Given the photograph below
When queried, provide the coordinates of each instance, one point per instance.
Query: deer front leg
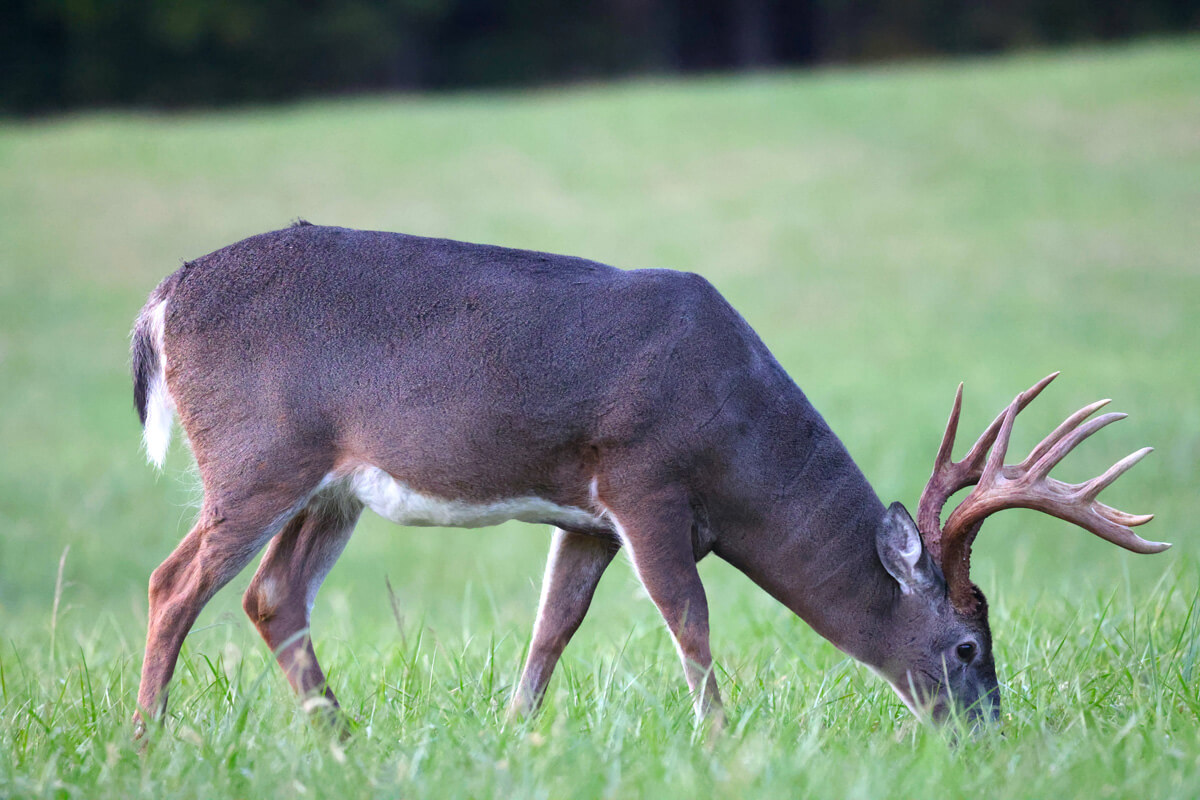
(573, 570)
(657, 529)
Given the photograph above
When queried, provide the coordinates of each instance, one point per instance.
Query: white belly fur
(393, 500)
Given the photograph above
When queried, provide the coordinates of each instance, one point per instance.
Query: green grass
(888, 232)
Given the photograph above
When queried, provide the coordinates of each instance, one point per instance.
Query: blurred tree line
(57, 54)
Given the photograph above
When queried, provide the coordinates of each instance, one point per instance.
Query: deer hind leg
(280, 597)
(227, 535)
(657, 530)
(573, 570)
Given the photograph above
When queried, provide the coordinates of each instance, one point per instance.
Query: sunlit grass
(888, 232)
(1097, 702)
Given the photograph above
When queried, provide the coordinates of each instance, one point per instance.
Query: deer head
(948, 660)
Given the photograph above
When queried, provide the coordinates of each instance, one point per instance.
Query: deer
(317, 371)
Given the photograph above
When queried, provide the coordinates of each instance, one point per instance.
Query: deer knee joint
(163, 581)
(262, 600)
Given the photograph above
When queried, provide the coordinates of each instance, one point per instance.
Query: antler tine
(1099, 484)
(1123, 518)
(945, 453)
(945, 481)
(995, 459)
(942, 483)
(979, 450)
(1113, 526)
(1068, 443)
(1068, 425)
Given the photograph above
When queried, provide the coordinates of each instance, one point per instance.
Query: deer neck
(811, 541)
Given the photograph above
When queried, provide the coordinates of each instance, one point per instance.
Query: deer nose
(986, 710)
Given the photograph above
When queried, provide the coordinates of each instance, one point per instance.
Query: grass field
(888, 232)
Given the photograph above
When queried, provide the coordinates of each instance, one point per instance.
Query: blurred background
(59, 54)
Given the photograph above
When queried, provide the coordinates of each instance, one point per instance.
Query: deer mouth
(930, 700)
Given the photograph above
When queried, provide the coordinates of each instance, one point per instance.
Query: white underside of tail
(160, 408)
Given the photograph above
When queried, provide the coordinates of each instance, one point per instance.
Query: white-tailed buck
(319, 370)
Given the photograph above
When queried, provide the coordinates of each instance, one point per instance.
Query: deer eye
(965, 652)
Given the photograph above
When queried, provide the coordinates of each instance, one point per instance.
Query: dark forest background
(58, 54)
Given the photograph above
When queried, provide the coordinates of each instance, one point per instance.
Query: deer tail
(151, 397)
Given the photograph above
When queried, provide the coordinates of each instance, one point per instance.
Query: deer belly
(395, 501)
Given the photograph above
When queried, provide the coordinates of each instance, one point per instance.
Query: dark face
(937, 657)
(946, 663)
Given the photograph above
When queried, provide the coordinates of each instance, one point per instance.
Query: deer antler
(1025, 485)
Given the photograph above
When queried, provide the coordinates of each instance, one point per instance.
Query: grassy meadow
(889, 232)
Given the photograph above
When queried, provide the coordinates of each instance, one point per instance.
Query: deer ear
(903, 554)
